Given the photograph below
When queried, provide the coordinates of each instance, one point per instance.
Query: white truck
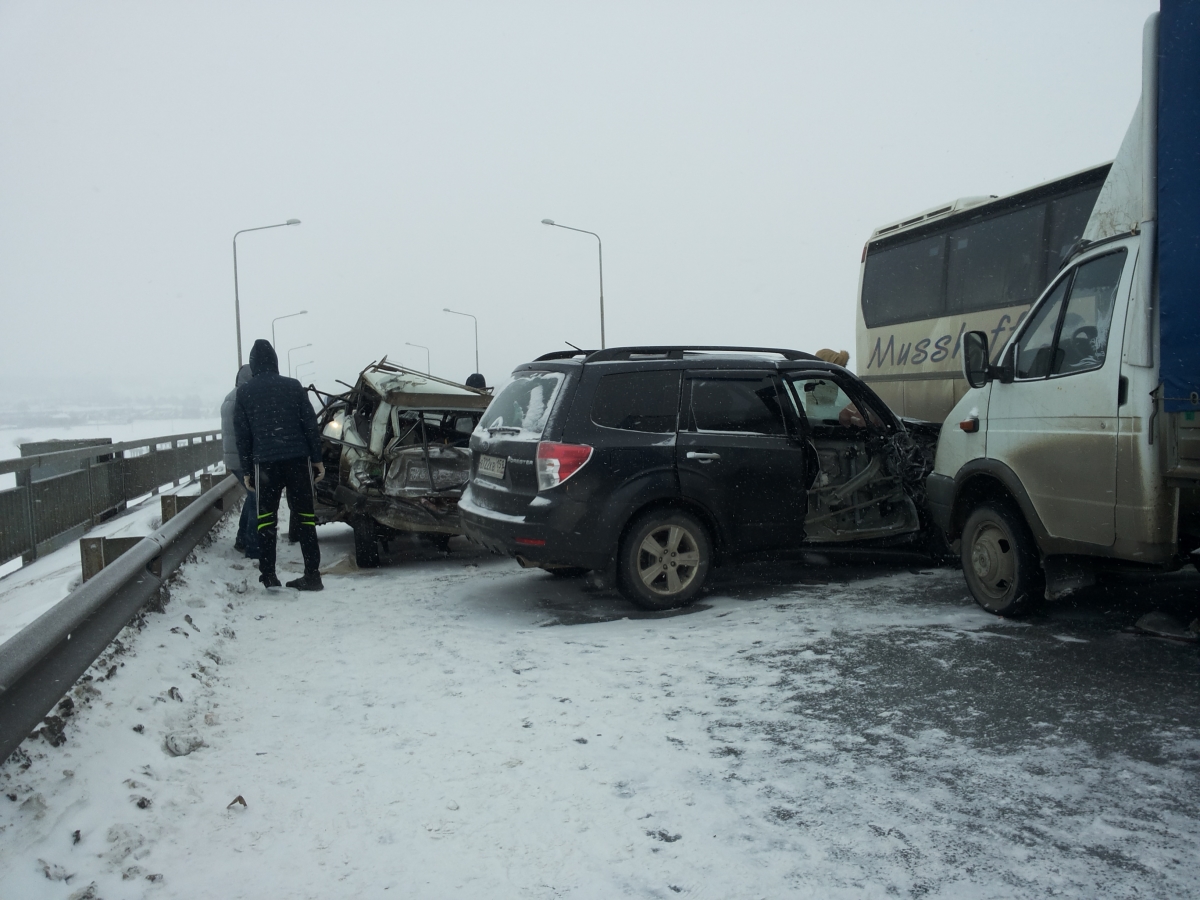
(1077, 447)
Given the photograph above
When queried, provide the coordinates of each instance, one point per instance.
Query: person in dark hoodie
(279, 446)
(247, 533)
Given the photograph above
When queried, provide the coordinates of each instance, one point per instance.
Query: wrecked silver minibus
(396, 455)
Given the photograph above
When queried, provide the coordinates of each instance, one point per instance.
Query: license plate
(492, 466)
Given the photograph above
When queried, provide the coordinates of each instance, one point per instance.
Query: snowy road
(452, 726)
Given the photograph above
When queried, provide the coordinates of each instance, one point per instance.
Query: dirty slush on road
(445, 727)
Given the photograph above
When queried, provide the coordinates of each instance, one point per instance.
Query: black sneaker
(269, 580)
(239, 546)
(310, 582)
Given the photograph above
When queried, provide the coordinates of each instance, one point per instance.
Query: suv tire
(366, 544)
(1000, 560)
(664, 559)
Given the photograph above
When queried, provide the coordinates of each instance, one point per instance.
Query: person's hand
(849, 417)
(319, 469)
(249, 482)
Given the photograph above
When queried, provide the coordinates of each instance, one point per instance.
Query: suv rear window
(638, 401)
(524, 405)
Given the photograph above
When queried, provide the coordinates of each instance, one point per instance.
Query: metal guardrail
(40, 663)
(40, 515)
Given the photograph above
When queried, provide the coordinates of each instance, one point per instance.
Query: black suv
(659, 461)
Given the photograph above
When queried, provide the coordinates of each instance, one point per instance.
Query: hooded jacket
(228, 437)
(272, 418)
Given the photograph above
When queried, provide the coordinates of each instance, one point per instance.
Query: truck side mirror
(975, 359)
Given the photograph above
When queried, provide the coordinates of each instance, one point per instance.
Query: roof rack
(677, 352)
(562, 354)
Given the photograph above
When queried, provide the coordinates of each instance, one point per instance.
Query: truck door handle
(703, 457)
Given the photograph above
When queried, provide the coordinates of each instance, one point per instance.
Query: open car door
(858, 492)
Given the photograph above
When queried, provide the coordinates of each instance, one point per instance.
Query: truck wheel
(366, 545)
(1000, 560)
(664, 560)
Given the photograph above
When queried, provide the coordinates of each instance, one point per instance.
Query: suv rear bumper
(550, 536)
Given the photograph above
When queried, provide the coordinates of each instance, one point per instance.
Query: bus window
(904, 283)
(1068, 217)
(997, 262)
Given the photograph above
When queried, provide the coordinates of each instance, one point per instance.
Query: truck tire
(664, 560)
(1000, 560)
(366, 543)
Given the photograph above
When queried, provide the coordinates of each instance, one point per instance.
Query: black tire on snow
(366, 544)
(1000, 560)
(651, 553)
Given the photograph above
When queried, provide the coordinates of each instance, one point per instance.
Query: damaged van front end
(397, 446)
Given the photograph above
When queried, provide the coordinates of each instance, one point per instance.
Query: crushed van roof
(406, 389)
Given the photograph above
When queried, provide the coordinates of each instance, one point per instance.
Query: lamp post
(301, 366)
(237, 305)
(476, 321)
(423, 347)
(301, 347)
(600, 248)
(277, 318)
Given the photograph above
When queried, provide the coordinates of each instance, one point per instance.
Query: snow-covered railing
(85, 485)
(40, 663)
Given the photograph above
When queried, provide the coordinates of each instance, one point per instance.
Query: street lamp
(600, 247)
(426, 349)
(476, 321)
(301, 366)
(301, 347)
(237, 305)
(277, 318)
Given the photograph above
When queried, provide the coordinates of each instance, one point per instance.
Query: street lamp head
(292, 222)
(548, 221)
(447, 309)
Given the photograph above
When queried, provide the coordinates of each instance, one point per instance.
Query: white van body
(1067, 460)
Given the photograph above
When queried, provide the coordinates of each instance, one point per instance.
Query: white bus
(974, 264)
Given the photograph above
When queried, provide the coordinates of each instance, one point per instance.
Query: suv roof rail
(676, 351)
(563, 354)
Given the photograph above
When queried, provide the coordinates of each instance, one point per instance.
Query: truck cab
(1059, 457)
(1077, 446)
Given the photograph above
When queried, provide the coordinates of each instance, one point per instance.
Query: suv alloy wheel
(664, 559)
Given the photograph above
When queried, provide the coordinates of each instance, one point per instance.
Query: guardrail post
(91, 498)
(25, 480)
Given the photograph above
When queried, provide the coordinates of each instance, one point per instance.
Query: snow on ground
(453, 726)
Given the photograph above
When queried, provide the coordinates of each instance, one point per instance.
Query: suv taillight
(558, 462)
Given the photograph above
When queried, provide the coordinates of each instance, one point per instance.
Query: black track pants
(269, 480)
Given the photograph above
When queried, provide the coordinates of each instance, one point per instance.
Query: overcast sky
(733, 156)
